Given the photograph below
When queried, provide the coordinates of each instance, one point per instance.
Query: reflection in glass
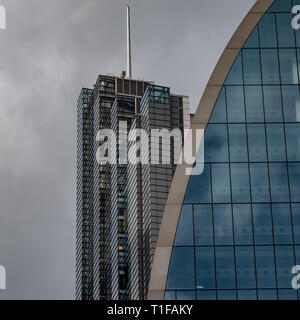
(225, 268)
(205, 268)
(251, 65)
(276, 143)
(265, 267)
(282, 223)
(238, 143)
(223, 224)
(184, 234)
(259, 182)
(270, 69)
(263, 230)
(254, 104)
(245, 269)
(273, 106)
(220, 183)
(203, 224)
(235, 104)
(242, 224)
(288, 66)
(257, 142)
(240, 182)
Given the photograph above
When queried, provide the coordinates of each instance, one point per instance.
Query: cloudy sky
(50, 50)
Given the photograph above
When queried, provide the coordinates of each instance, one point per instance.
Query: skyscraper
(233, 232)
(120, 205)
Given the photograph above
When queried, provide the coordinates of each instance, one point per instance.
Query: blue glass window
(284, 263)
(267, 295)
(251, 64)
(182, 269)
(227, 295)
(220, 183)
(235, 75)
(281, 6)
(170, 295)
(198, 190)
(294, 173)
(216, 143)
(293, 141)
(242, 224)
(254, 104)
(247, 295)
(219, 113)
(225, 268)
(223, 224)
(257, 143)
(288, 66)
(273, 105)
(203, 224)
(259, 182)
(206, 295)
(296, 222)
(279, 182)
(205, 268)
(245, 269)
(263, 231)
(238, 143)
(270, 69)
(276, 143)
(282, 223)
(186, 295)
(240, 182)
(267, 31)
(265, 267)
(285, 33)
(291, 103)
(288, 294)
(184, 234)
(235, 104)
(252, 41)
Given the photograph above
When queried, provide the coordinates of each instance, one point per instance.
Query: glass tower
(238, 235)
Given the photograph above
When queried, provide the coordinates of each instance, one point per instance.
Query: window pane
(288, 66)
(270, 70)
(206, 295)
(294, 173)
(254, 104)
(238, 143)
(219, 113)
(259, 182)
(216, 143)
(284, 263)
(245, 269)
(182, 269)
(203, 225)
(220, 183)
(279, 182)
(251, 64)
(235, 104)
(240, 182)
(296, 222)
(186, 295)
(282, 224)
(205, 268)
(267, 31)
(293, 141)
(267, 295)
(281, 6)
(285, 33)
(252, 41)
(276, 143)
(242, 224)
(289, 294)
(235, 75)
(257, 142)
(273, 106)
(265, 267)
(184, 234)
(198, 190)
(247, 295)
(263, 231)
(225, 268)
(223, 224)
(291, 103)
(227, 295)
(170, 295)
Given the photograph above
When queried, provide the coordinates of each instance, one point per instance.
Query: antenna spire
(129, 66)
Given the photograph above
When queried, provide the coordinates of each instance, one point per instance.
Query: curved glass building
(233, 232)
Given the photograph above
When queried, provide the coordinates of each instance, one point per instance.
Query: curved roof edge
(160, 268)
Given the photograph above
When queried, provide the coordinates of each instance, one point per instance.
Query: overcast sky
(50, 50)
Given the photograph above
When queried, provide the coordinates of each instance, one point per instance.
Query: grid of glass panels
(238, 236)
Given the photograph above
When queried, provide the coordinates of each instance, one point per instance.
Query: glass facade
(238, 235)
